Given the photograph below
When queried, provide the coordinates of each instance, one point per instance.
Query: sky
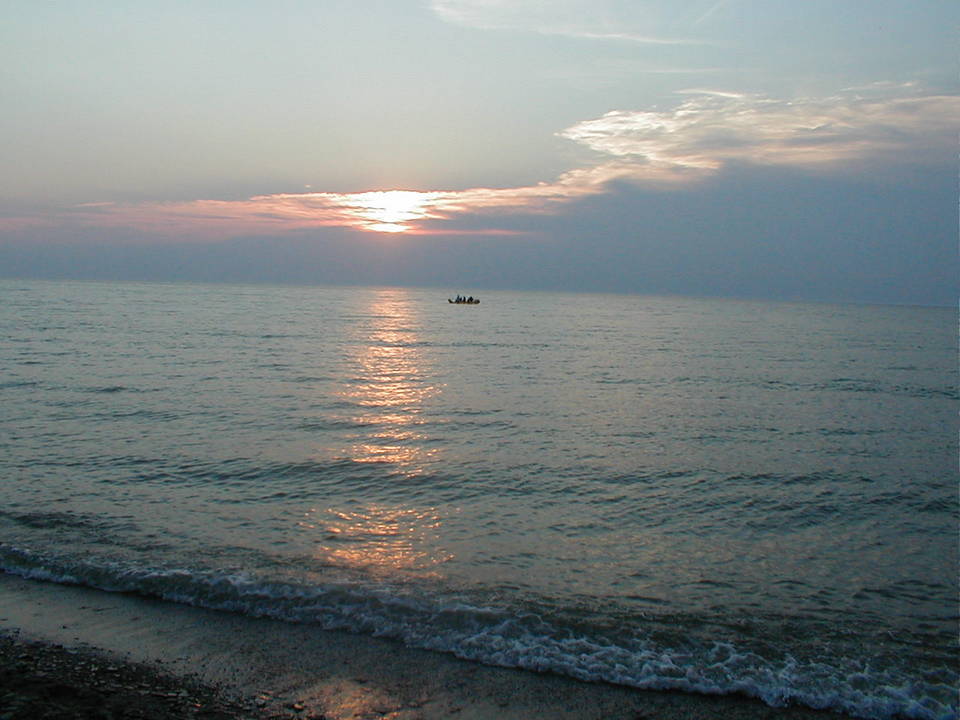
(794, 150)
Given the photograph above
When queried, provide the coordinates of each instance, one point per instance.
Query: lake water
(709, 495)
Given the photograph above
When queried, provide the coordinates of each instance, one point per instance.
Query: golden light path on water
(390, 391)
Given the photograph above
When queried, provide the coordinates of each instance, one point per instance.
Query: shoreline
(40, 680)
(223, 666)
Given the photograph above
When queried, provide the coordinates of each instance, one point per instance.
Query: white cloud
(714, 128)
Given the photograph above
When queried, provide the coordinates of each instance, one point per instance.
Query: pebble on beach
(51, 682)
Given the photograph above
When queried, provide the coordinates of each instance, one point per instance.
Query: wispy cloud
(574, 31)
(690, 142)
(588, 19)
(710, 11)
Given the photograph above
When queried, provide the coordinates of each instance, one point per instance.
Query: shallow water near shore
(710, 496)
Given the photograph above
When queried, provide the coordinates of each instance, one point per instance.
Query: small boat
(464, 301)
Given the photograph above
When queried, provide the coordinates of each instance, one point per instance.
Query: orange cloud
(681, 145)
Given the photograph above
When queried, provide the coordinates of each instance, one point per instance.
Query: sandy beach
(41, 680)
(107, 655)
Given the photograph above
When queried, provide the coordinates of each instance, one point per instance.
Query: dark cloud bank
(748, 232)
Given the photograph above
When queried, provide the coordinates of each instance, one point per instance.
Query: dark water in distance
(716, 496)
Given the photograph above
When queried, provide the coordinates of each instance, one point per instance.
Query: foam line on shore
(494, 636)
(341, 674)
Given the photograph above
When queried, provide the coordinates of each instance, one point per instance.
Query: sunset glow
(696, 140)
(389, 211)
(604, 339)
(524, 142)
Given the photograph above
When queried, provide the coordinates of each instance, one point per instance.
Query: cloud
(710, 11)
(589, 19)
(715, 128)
(656, 148)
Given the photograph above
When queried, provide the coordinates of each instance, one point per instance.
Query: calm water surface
(717, 496)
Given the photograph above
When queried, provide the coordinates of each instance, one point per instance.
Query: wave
(451, 623)
(10, 384)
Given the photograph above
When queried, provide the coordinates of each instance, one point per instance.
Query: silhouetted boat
(467, 301)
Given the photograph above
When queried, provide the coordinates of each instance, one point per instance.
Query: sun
(390, 211)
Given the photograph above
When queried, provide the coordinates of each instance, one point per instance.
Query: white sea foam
(498, 637)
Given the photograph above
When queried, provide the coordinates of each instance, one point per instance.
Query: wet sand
(106, 655)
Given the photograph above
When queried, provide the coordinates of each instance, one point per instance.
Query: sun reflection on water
(379, 538)
(389, 389)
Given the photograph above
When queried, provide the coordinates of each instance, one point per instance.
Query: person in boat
(470, 299)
